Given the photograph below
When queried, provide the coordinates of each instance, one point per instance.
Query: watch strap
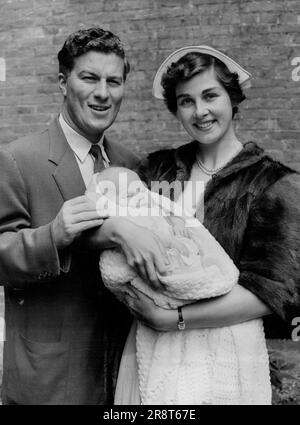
(181, 322)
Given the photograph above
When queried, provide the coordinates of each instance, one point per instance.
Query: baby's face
(130, 188)
(122, 188)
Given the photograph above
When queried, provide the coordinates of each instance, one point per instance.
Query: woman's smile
(204, 125)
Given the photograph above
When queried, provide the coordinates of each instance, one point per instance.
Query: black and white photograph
(150, 205)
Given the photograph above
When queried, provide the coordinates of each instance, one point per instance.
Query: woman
(249, 199)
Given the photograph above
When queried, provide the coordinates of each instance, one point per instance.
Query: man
(64, 331)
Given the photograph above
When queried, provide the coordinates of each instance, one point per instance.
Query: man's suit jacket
(64, 331)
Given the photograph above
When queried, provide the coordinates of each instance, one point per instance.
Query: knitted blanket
(206, 272)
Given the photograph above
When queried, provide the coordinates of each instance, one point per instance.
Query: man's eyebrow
(114, 76)
(95, 74)
(86, 71)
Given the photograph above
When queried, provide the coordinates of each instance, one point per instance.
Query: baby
(118, 192)
(201, 366)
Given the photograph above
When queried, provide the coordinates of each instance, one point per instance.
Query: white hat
(244, 76)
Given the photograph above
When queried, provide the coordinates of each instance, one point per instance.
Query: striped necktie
(98, 161)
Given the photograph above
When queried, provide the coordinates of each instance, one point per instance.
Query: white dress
(219, 366)
(226, 365)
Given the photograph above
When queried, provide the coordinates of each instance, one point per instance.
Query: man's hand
(76, 215)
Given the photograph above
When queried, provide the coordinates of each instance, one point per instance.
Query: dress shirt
(81, 148)
(192, 198)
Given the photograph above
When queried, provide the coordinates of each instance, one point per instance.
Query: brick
(140, 4)
(48, 109)
(19, 110)
(266, 6)
(284, 124)
(290, 144)
(36, 118)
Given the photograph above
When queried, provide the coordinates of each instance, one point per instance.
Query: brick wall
(262, 35)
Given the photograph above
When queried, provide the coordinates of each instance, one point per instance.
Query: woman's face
(204, 108)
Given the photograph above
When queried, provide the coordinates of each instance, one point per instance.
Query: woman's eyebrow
(204, 92)
(210, 89)
(183, 95)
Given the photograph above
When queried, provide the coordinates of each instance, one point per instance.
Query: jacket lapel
(66, 174)
(114, 153)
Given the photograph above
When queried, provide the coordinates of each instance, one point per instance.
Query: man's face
(93, 92)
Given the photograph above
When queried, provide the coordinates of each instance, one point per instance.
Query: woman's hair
(83, 41)
(195, 63)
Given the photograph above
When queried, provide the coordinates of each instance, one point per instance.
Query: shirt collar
(79, 144)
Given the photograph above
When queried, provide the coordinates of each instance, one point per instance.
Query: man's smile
(100, 108)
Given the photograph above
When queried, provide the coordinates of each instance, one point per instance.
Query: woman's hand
(146, 251)
(143, 249)
(145, 310)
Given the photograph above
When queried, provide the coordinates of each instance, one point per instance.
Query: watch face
(181, 326)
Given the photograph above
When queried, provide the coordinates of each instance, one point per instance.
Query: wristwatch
(181, 322)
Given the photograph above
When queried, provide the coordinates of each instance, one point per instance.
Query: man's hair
(83, 41)
(195, 63)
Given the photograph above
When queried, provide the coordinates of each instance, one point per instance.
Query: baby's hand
(178, 227)
(180, 231)
(171, 242)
